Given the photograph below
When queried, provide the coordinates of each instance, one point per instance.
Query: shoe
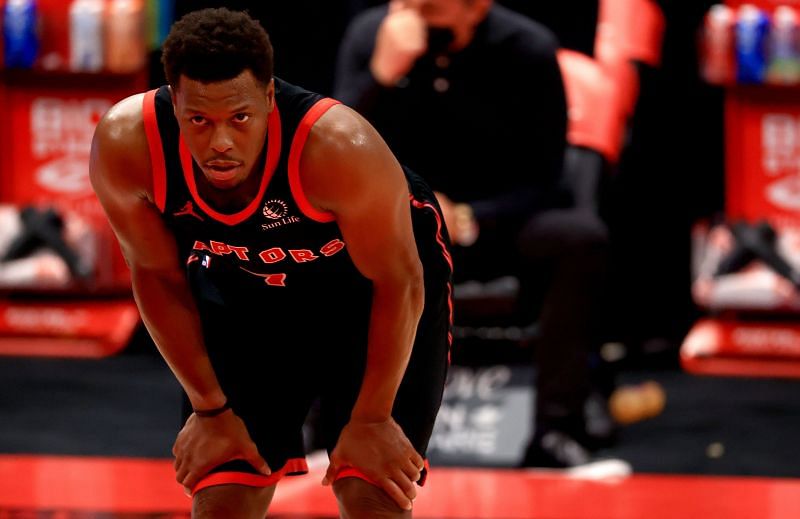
(555, 449)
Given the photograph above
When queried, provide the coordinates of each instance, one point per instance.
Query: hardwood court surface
(40, 487)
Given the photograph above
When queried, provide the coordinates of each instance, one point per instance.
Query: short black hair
(216, 45)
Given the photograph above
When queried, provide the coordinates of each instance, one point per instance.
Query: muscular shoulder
(341, 130)
(343, 153)
(119, 148)
(123, 125)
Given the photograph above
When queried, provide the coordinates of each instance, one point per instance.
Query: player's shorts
(273, 371)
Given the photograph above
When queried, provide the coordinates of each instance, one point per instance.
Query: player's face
(224, 125)
(450, 14)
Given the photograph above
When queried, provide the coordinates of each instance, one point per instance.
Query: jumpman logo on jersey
(188, 209)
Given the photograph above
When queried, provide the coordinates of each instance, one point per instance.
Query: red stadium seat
(611, 54)
(635, 27)
(596, 117)
(629, 33)
(648, 33)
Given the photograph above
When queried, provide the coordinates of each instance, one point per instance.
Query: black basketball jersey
(279, 247)
(279, 264)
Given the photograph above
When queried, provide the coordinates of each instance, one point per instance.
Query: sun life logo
(275, 209)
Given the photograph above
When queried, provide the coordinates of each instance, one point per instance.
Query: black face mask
(439, 39)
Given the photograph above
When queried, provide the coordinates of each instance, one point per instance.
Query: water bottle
(86, 35)
(752, 30)
(125, 36)
(784, 53)
(718, 63)
(20, 39)
(163, 18)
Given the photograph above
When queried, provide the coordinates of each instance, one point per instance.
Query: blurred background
(690, 112)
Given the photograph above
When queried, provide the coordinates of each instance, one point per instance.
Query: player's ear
(172, 97)
(270, 94)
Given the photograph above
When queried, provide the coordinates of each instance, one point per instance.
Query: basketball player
(279, 254)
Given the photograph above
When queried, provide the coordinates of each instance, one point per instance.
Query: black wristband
(210, 413)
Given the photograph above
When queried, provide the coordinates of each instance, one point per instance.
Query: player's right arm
(121, 176)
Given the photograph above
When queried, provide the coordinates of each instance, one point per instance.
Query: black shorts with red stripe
(275, 360)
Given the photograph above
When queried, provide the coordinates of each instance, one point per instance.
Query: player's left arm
(347, 169)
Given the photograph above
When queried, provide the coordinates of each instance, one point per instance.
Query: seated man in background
(470, 95)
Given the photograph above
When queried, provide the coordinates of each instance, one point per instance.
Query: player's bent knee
(361, 500)
(232, 501)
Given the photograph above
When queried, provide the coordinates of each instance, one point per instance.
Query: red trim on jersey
(352, 472)
(292, 466)
(273, 154)
(156, 150)
(440, 240)
(296, 151)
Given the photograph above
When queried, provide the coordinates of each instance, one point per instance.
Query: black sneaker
(555, 449)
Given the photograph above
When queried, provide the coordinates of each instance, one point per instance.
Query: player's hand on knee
(206, 442)
(383, 453)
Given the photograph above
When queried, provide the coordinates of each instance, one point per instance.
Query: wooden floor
(35, 487)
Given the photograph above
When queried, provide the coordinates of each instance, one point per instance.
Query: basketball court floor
(89, 439)
(41, 487)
